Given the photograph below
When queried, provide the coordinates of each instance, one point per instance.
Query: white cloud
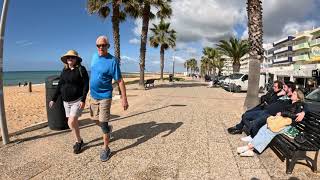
(208, 21)
(134, 41)
(127, 59)
(24, 43)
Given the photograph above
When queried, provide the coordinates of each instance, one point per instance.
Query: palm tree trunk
(115, 27)
(116, 33)
(3, 121)
(161, 62)
(236, 67)
(254, 9)
(144, 36)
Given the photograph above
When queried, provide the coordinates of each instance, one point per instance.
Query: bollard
(30, 86)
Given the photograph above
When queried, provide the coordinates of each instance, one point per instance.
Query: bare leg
(74, 126)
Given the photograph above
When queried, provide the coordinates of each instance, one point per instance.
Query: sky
(39, 32)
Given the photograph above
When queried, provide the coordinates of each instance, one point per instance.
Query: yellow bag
(277, 123)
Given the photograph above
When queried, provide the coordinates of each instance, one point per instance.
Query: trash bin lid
(52, 81)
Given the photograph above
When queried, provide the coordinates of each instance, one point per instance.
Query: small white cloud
(127, 59)
(24, 43)
(134, 41)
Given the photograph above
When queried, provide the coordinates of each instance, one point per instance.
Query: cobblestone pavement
(172, 131)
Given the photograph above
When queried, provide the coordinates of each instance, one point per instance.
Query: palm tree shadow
(142, 132)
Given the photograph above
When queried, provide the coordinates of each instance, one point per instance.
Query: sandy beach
(24, 109)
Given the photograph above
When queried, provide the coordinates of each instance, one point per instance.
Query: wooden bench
(292, 151)
(149, 82)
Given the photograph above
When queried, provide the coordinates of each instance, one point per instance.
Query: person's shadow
(142, 132)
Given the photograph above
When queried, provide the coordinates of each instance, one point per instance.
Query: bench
(292, 151)
(149, 82)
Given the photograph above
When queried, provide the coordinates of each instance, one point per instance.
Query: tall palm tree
(254, 9)
(101, 7)
(235, 49)
(164, 37)
(186, 65)
(205, 65)
(142, 9)
(213, 55)
(219, 65)
(193, 65)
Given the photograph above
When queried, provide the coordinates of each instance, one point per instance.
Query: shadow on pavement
(142, 132)
(179, 85)
(83, 123)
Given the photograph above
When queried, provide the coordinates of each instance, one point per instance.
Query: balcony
(315, 42)
(289, 38)
(301, 46)
(282, 60)
(284, 49)
(304, 57)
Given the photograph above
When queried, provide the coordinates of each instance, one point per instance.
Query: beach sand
(24, 109)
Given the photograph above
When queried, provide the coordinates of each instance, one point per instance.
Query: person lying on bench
(266, 100)
(276, 125)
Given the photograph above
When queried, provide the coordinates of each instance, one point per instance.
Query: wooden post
(30, 86)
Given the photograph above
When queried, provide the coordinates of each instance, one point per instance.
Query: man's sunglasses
(102, 45)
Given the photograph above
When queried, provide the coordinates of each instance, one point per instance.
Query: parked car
(239, 82)
(313, 100)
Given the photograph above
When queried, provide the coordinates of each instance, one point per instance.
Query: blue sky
(38, 32)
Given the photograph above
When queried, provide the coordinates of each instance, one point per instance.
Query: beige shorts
(72, 108)
(100, 109)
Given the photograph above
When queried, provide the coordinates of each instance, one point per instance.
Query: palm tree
(101, 7)
(219, 65)
(205, 65)
(235, 49)
(254, 9)
(164, 37)
(186, 65)
(193, 65)
(142, 8)
(213, 55)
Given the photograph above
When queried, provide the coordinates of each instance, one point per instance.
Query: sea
(13, 78)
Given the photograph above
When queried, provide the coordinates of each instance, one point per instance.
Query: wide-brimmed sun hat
(72, 53)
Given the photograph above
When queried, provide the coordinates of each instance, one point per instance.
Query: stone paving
(172, 131)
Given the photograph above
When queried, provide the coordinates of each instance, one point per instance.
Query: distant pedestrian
(104, 68)
(73, 87)
(19, 84)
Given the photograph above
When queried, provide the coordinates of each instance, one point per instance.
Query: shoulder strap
(80, 70)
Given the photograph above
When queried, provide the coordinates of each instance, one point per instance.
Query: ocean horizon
(13, 78)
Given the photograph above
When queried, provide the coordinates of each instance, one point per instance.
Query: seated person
(266, 100)
(261, 118)
(265, 135)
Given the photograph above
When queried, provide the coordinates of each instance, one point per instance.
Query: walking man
(104, 68)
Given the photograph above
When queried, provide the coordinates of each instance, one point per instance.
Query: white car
(239, 82)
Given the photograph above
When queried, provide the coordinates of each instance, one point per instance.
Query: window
(314, 95)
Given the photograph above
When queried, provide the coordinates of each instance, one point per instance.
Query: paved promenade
(169, 132)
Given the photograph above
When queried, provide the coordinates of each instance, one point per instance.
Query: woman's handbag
(278, 123)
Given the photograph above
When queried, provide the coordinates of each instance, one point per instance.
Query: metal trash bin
(170, 77)
(56, 115)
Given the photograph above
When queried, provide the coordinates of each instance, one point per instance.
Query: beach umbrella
(3, 122)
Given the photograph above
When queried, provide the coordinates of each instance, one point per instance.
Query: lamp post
(4, 129)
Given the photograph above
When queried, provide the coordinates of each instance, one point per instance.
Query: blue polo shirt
(103, 70)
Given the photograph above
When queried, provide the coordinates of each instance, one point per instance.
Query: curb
(28, 129)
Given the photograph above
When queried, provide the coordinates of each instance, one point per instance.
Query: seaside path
(172, 131)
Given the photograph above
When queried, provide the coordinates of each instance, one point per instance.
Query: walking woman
(73, 87)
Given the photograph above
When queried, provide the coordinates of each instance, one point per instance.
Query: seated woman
(265, 135)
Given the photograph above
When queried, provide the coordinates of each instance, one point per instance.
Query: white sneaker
(246, 139)
(242, 149)
(248, 153)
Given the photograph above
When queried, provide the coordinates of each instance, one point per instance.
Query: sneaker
(234, 130)
(248, 153)
(242, 149)
(246, 139)
(77, 147)
(105, 155)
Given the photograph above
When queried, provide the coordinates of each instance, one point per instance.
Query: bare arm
(124, 100)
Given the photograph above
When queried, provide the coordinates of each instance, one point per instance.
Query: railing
(304, 57)
(301, 46)
(314, 42)
(288, 48)
(283, 59)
